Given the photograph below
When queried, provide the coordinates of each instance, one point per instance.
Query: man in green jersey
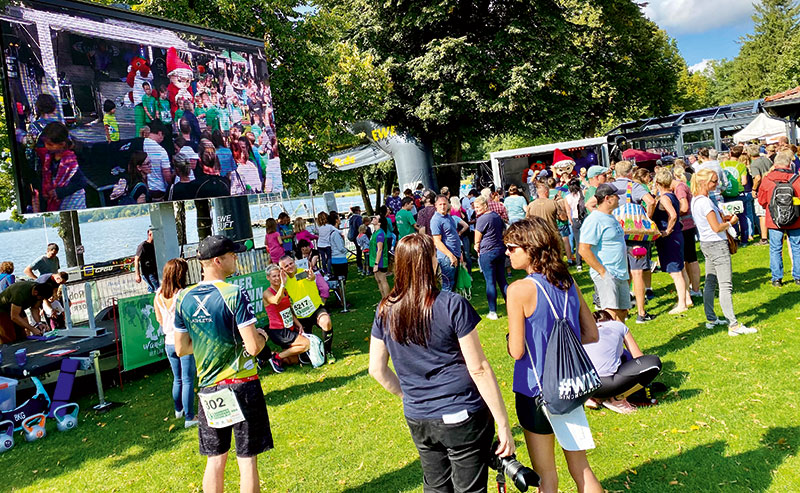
(406, 224)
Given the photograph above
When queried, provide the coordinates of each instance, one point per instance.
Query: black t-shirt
(20, 294)
(435, 380)
(183, 191)
(147, 258)
(212, 186)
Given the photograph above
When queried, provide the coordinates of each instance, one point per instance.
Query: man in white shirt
(161, 173)
(707, 158)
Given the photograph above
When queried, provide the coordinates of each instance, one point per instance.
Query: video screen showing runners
(106, 107)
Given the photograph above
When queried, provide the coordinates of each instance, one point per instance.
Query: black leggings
(639, 371)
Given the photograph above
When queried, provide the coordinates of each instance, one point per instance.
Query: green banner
(142, 338)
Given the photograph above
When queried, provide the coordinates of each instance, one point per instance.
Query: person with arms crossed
(214, 320)
(602, 246)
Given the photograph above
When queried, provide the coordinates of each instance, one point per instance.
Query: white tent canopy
(762, 127)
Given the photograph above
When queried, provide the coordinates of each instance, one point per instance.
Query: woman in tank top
(534, 245)
(183, 367)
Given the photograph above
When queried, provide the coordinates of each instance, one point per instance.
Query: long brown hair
(408, 309)
(541, 241)
(175, 277)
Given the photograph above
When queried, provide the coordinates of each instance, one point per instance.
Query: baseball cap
(604, 190)
(596, 171)
(217, 246)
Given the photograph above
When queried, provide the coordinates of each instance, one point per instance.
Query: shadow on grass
(409, 477)
(681, 340)
(280, 397)
(783, 301)
(707, 467)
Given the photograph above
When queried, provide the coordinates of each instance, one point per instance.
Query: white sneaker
(579, 268)
(715, 323)
(189, 423)
(178, 414)
(740, 330)
(492, 316)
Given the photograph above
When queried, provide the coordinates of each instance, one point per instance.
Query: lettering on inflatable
(384, 132)
(338, 162)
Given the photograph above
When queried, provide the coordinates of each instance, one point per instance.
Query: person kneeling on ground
(301, 286)
(621, 372)
(284, 328)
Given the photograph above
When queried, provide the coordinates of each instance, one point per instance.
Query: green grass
(729, 423)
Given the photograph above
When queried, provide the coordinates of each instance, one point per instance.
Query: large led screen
(107, 107)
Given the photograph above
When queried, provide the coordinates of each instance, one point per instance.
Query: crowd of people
(215, 141)
(452, 400)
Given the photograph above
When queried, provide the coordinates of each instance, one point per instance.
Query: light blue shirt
(447, 228)
(515, 206)
(607, 239)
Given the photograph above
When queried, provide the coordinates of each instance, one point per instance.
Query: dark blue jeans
(493, 266)
(152, 282)
(449, 272)
(183, 372)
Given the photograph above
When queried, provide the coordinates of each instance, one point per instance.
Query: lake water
(107, 240)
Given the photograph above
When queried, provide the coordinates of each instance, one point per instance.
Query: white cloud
(697, 16)
(700, 66)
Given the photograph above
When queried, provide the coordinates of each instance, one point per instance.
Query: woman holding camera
(451, 399)
(534, 245)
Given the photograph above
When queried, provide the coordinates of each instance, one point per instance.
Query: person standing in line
(515, 204)
(602, 246)
(781, 173)
(183, 368)
(596, 176)
(406, 224)
(451, 399)
(446, 232)
(640, 265)
(711, 228)
(46, 264)
(354, 222)
(394, 201)
(426, 213)
(491, 253)
(144, 263)
(534, 246)
(325, 229)
(379, 253)
(669, 245)
(575, 207)
(691, 268)
(215, 322)
(759, 167)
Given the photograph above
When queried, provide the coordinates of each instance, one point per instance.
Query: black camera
(522, 477)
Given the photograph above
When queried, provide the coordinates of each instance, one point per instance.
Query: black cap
(604, 190)
(217, 246)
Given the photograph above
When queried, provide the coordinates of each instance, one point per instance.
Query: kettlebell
(6, 435)
(33, 427)
(66, 420)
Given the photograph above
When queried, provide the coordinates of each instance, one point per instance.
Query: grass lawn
(730, 421)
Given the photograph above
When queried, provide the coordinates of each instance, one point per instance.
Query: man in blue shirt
(602, 246)
(446, 231)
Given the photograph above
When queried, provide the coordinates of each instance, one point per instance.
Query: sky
(704, 29)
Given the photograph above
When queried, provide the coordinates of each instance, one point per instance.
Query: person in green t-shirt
(149, 103)
(110, 121)
(406, 224)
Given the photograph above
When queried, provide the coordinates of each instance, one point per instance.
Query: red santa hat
(561, 160)
(177, 66)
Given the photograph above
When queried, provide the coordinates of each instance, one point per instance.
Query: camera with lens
(522, 477)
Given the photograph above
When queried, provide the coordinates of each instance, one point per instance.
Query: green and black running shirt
(212, 313)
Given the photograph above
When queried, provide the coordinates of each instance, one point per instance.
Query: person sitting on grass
(622, 366)
(285, 329)
(306, 303)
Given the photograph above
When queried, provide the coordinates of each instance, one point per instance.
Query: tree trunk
(388, 183)
(362, 187)
(70, 232)
(378, 191)
(204, 223)
(180, 222)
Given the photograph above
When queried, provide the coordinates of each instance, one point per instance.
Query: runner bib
(304, 307)
(288, 321)
(221, 408)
